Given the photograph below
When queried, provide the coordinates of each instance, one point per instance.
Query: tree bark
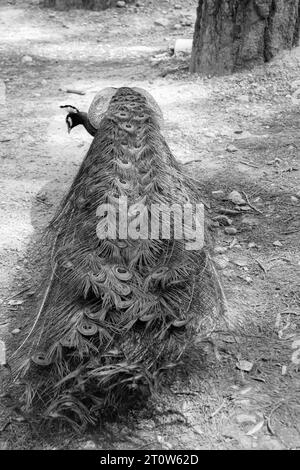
(86, 4)
(232, 34)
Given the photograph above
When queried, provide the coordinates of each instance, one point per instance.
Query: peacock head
(99, 107)
(73, 118)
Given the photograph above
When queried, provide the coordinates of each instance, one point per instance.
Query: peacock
(119, 313)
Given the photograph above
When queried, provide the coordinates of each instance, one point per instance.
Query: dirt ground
(243, 130)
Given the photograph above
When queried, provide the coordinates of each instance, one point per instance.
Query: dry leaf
(256, 428)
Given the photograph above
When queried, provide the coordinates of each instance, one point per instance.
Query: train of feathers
(117, 313)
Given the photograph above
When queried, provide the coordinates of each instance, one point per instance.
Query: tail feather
(118, 312)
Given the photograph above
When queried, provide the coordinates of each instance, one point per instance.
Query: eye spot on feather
(122, 273)
(87, 329)
(124, 164)
(41, 359)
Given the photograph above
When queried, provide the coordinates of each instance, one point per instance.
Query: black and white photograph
(149, 229)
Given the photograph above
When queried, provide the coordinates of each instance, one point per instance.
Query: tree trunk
(230, 34)
(87, 4)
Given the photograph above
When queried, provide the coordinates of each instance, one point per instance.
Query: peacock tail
(118, 313)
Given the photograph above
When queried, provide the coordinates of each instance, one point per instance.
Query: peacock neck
(86, 123)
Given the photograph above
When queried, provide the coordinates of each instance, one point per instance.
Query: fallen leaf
(256, 428)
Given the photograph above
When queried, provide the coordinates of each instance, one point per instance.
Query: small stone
(252, 245)
(248, 279)
(231, 148)
(218, 194)
(15, 302)
(198, 430)
(294, 199)
(221, 261)
(220, 249)
(177, 7)
(16, 331)
(161, 22)
(249, 220)
(242, 261)
(223, 220)
(246, 366)
(187, 22)
(230, 231)
(27, 59)
(236, 198)
(177, 26)
(277, 243)
(121, 4)
(229, 273)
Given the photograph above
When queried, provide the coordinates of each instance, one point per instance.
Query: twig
(191, 161)
(75, 92)
(195, 394)
(250, 205)
(268, 418)
(5, 425)
(5, 140)
(218, 409)
(225, 211)
(234, 241)
(147, 444)
(289, 312)
(21, 292)
(248, 164)
(261, 265)
(177, 69)
(290, 232)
